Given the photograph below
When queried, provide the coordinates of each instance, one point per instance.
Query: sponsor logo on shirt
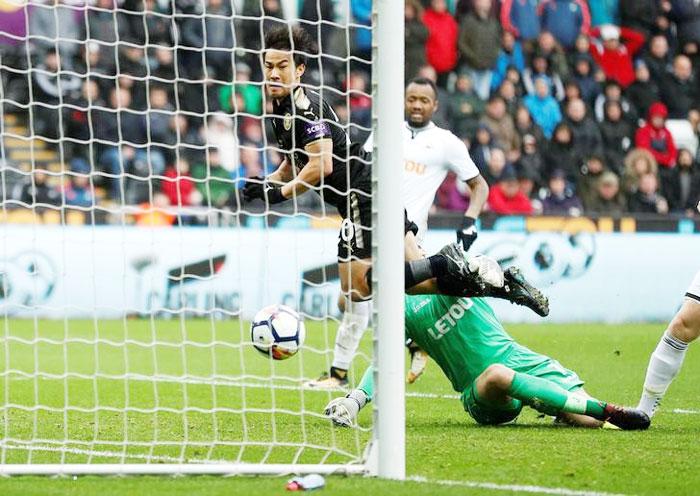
(446, 323)
(318, 129)
(421, 304)
(414, 167)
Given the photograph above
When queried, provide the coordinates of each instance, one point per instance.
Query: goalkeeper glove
(343, 411)
(257, 187)
(467, 233)
(419, 361)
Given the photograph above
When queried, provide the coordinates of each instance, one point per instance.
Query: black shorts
(355, 237)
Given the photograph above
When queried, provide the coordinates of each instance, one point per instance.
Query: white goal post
(390, 418)
(125, 346)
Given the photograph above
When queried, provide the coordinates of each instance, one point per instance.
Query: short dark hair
(424, 81)
(291, 39)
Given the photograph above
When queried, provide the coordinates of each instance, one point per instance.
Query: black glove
(467, 234)
(258, 188)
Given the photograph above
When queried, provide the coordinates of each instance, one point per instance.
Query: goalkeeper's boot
(336, 380)
(419, 361)
(628, 419)
(517, 290)
(461, 281)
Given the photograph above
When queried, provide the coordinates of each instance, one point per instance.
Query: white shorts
(694, 289)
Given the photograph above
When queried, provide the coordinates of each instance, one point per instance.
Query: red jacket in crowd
(441, 47)
(178, 189)
(617, 64)
(658, 140)
(502, 204)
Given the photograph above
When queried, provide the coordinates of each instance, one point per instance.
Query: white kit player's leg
(352, 326)
(667, 358)
(664, 365)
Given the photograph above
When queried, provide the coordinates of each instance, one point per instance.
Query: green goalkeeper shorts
(487, 413)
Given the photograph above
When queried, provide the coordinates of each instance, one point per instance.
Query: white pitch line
(516, 488)
(470, 484)
(286, 387)
(101, 454)
(433, 396)
(234, 383)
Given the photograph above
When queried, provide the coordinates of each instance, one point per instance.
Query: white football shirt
(429, 153)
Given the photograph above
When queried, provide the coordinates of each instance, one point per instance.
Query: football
(277, 331)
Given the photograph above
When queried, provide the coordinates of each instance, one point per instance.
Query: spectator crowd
(568, 107)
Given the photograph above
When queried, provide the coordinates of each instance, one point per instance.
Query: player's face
(421, 104)
(281, 74)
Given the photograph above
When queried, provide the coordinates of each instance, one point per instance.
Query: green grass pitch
(122, 414)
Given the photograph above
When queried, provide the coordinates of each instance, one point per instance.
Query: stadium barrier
(109, 272)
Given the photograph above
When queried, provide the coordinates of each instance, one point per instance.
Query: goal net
(130, 266)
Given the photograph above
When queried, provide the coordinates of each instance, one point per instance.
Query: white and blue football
(277, 331)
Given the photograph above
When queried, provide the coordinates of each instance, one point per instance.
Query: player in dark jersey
(319, 157)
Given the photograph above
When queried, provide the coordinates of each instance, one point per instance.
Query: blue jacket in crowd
(520, 17)
(565, 19)
(604, 12)
(545, 112)
(362, 12)
(506, 60)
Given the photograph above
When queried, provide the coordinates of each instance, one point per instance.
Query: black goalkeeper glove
(467, 233)
(259, 188)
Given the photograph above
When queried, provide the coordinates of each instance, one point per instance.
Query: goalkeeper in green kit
(495, 375)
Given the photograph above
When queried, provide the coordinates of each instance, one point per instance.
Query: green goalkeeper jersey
(463, 336)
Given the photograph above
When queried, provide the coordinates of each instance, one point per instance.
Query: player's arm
(458, 159)
(316, 139)
(478, 194)
(269, 186)
(320, 164)
(283, 174)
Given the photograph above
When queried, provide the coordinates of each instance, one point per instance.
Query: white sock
(664, 365)
(353, 324)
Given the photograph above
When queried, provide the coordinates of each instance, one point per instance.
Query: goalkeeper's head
(284, 58)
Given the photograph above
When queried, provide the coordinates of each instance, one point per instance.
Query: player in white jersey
(430, 152)
(667, 358)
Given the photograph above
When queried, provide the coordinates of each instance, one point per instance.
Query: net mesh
(130, 267)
